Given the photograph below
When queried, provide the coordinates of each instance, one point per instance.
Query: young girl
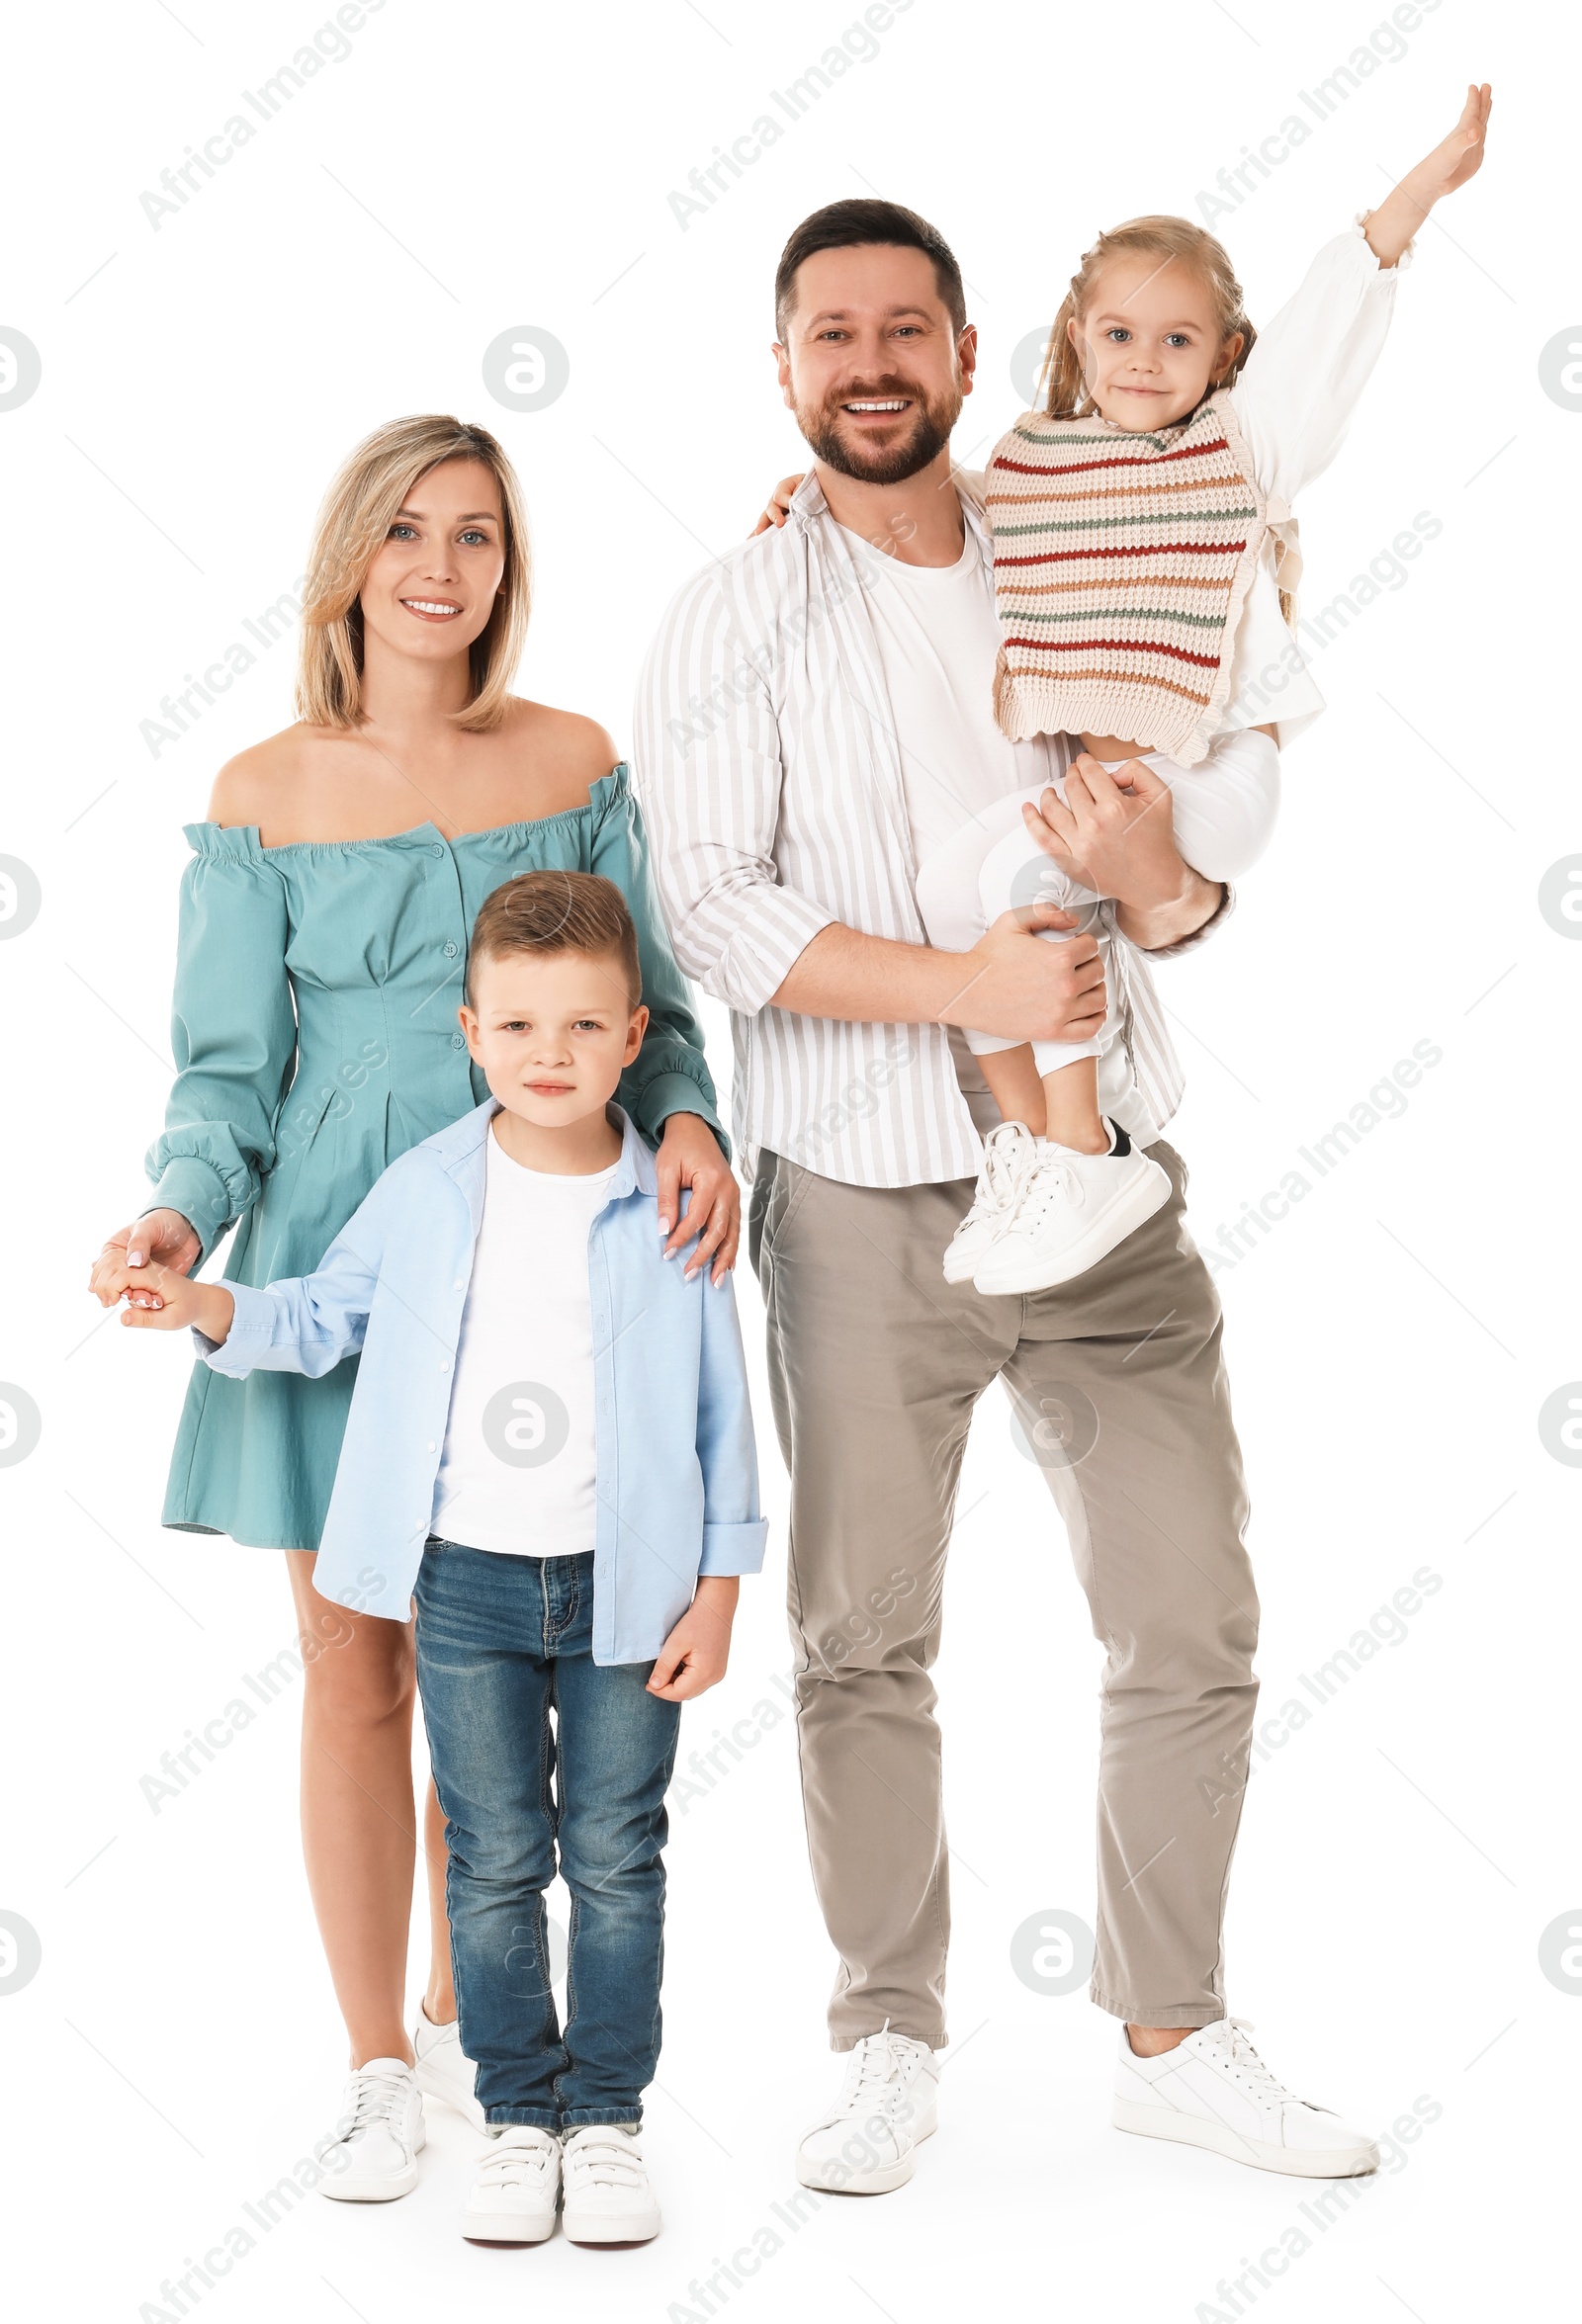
(1145, 568)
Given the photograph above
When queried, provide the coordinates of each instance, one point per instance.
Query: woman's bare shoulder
(252, 787)
(564, 752)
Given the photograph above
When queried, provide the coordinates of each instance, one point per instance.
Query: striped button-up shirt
(770, 775)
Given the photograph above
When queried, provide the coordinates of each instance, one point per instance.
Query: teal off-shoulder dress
(315, 1040)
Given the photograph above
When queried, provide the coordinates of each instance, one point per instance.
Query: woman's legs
(359, 1819)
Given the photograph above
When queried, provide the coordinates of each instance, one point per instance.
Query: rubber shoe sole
(344, 2186)
(600, 2227)
(1108, 1229)
(837, 2178)
(505, 2228)
(1218, 2138)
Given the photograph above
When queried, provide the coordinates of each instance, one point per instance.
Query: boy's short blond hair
(547, 913)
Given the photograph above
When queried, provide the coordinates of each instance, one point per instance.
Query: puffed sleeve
(233, 1034)
(1303, 380)
(670, 1075)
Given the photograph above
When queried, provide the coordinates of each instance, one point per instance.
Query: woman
(325, 922)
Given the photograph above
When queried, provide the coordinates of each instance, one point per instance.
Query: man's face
(871, 364)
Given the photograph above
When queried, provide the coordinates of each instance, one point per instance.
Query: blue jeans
(501, 1642)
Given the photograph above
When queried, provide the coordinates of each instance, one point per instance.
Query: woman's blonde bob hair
(353, 523)
(1160, 238)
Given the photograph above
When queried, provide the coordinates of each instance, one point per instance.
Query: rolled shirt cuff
(735, 1549)
(777, 927)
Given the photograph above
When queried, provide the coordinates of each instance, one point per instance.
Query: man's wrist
(1154, 927)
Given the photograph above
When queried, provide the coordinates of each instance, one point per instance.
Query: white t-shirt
(938, 635)
(518, 1470)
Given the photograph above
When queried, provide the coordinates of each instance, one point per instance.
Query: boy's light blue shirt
(677, 1483)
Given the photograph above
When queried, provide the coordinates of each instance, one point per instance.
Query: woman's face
(433, 585)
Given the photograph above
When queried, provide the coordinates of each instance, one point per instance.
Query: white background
(477, 168)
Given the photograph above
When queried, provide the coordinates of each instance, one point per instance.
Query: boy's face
(553, 1032)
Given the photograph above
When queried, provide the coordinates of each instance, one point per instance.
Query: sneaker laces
(1228, 2038)
(1051, 1181)
(372, 2099)
(606, 2156)
(514, 2162)
(879, 2065)
(1005, 1160)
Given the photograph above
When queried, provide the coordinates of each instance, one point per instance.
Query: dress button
(458, 1040)
(451, 951)
(436, 850)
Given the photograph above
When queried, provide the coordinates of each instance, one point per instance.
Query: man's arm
(708, 771)
(1009, 984)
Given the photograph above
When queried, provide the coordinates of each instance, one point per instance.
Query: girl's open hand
(1454, 160)
(1459, 156)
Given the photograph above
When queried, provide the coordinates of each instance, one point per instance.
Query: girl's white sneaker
(371, 2155)
(1009, 1153)
(1073, 1209)
(607, 2197)
(513, 2196)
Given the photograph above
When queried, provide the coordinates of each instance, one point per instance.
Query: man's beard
(927, 436)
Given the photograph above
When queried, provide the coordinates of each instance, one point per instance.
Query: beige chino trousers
(875, 1365)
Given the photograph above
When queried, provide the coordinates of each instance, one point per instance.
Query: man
(813, 718)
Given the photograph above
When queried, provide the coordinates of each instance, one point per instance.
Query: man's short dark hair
(847, 225)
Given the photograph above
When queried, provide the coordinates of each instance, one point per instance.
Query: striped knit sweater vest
(1121, 563)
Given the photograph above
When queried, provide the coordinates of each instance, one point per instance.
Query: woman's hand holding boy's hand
(166, 1301)
(162, 1235)
(693, 1657)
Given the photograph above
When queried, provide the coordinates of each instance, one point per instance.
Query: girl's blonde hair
(352, 524)
(1164, 239)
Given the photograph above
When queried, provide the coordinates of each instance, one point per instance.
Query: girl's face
(433, 584)
(1149, 343)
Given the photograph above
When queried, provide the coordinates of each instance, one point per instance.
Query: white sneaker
(514, 2195)
(1213, 2090)
(1009, 1154)
(1073, 1211)
(888, 2105)
(608, 2199)
(444, 2070)
(371, 2155)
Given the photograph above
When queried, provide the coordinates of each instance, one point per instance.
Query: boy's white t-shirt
(517, 1474)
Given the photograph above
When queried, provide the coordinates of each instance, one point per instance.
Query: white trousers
(1223, 811)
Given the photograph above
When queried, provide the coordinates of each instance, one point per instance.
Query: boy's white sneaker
(1073, 1209)
(444, 2070)
(371, 2157)
(1009, 1154)
(607, 2197)
(1213, 2090)
(513, 2196)
(889, 2104)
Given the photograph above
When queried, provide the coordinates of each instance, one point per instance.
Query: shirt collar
(808, 505)
(462, 1151)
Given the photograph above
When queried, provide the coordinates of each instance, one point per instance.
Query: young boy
(550, 1448)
